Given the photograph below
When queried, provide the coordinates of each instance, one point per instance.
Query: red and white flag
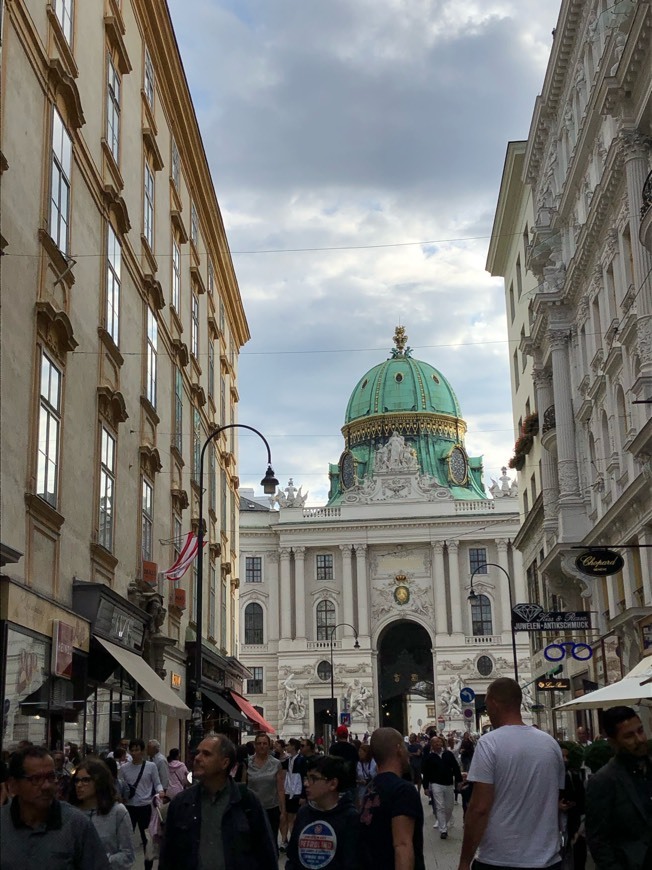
(185, 558)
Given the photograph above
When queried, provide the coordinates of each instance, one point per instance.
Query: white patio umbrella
(634, 688)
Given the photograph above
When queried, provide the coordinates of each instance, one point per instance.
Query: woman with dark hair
(93, 791)
(266, 779)
(178, 774)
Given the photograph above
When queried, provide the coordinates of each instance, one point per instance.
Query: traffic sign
(468, 713)
(467, 695)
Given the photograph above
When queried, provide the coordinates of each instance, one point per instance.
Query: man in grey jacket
(619, 797)
(40, 831)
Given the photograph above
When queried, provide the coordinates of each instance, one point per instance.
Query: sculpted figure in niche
(359, 698)
(449, 700)
(395, 455)
(294, 706)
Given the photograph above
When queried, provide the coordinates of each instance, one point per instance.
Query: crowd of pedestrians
(528, 801)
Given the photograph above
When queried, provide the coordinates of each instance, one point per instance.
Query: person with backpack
(178, 774)
(217, 823)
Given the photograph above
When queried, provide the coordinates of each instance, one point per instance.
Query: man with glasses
(37, 829)
(327, 828)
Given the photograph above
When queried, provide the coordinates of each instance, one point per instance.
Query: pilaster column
(363, 595)
(300, 590)
(347, 589)
(518, 576)
(272, 560)
(611, 597)
(628, 579)
(645, 537)
(286, 593)
(636, 148)
(564, 420)
(454, 580)
(439, 588)
(502, 589)
(549, 483)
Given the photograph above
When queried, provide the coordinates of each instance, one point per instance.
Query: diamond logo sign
(528, 612)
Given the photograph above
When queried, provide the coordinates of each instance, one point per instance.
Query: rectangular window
(211, 370)
(478, 560)
(47, 471)
(223, 501)
(254, 569)
(211, 278)
(152, 353)
(517, 374)
(212, 479)
(177, 534)
(176, 276)
(194, 326)
(113, 277)
(194, 224)
(223, 614)
(148, 206)
(519, 277)
(178, 410)
(193, 588)
(176, 166)
(107, 489)
(325, 567)
(60, 172)
(196, 444)
(212, 600)
(147, 516)
(222, 317)
(63, 10)
(512, 308)
(149, 79)
(255, 684)
(113, 111)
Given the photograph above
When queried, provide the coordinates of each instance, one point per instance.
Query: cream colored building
(121, 327)
(588, 331)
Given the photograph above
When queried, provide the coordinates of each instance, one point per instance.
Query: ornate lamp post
(269, 484)
(473, 595)
(356, 645)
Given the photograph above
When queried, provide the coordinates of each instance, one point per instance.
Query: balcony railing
(323, 644)
(647, 196)
(549, 422)
(482, 639)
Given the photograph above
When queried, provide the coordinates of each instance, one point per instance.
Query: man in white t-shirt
(517, 774)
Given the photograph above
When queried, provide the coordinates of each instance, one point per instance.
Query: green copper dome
(408, 399)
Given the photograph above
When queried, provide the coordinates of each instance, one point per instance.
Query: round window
(324, 671)
(398, 378)
(364, 384)
(435, 379)
(485, 666)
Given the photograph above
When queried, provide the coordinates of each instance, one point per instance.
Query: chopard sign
(599, 563)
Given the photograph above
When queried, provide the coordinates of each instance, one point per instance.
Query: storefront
(125, 694)
(44, 651)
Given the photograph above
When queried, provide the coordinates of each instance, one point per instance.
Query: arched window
(481, 616)
(253, 623)
(325, 619)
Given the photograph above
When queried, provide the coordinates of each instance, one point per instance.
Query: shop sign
(178, 598)
(599, 563)
(532, 617)
(175, 680)
(62, 647)
(24, 608)
(552, 684)
(119, 625)
(150, 573)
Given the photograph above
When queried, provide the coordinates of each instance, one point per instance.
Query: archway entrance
(405, 676)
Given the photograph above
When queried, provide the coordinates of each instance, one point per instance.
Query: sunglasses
(40, 778)
(79, 780)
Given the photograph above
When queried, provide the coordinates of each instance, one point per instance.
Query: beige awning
(167, 702)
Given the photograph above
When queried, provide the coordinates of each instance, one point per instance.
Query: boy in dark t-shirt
(389, 799)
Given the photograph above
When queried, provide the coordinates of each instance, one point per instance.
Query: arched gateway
(405, 676)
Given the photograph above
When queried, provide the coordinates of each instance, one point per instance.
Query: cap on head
(342, 731)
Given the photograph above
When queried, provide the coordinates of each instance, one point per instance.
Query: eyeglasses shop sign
(599, 563)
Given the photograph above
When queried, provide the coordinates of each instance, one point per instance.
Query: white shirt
(526, 768)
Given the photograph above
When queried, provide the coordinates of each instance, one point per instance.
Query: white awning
(167, 702)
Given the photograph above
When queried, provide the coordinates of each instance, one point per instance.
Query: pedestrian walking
(93, 792)
(161, 762)
(343, 749)
(178, 774)
(142, 782)
(217, 824)
(365, 771)
(294, 769)
(517, 774)
(441, 774)
(39, 831)
(266, 779)
(391, 819)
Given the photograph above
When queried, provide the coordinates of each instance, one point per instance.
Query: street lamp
(269, 484)
(473, 595)
(356, 645)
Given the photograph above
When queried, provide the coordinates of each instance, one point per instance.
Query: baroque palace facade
(572, 238)
(357, 611)
(121, 327)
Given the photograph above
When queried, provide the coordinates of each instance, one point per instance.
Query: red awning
(251, 713)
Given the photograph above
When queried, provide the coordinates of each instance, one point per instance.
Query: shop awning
(221, 702)
(167, 702)
(251, 713)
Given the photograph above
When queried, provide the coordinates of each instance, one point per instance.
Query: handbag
(132, 788)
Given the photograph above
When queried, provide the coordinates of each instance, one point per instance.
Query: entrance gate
(405, 673)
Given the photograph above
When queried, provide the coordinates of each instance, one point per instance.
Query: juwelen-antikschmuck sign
(532, 617)
(599, 563)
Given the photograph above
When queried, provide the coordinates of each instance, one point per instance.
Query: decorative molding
(41, 509)
(115, 29)
(55, 328)
(117, 208)
(180, 500)
(61, 262)
(64, 85)
(112, 405)
(150, 460)
(110, 346)
(154, 291)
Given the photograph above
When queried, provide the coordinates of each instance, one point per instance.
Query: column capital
(635, 145)
(558, 338)
(285, 552)
(299, 552)
(542, 377)
(438, 547)
(502, 544)
(346, 550)
(453, 546)
(361, 549)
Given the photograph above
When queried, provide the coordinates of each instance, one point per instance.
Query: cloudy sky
(356, 148)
